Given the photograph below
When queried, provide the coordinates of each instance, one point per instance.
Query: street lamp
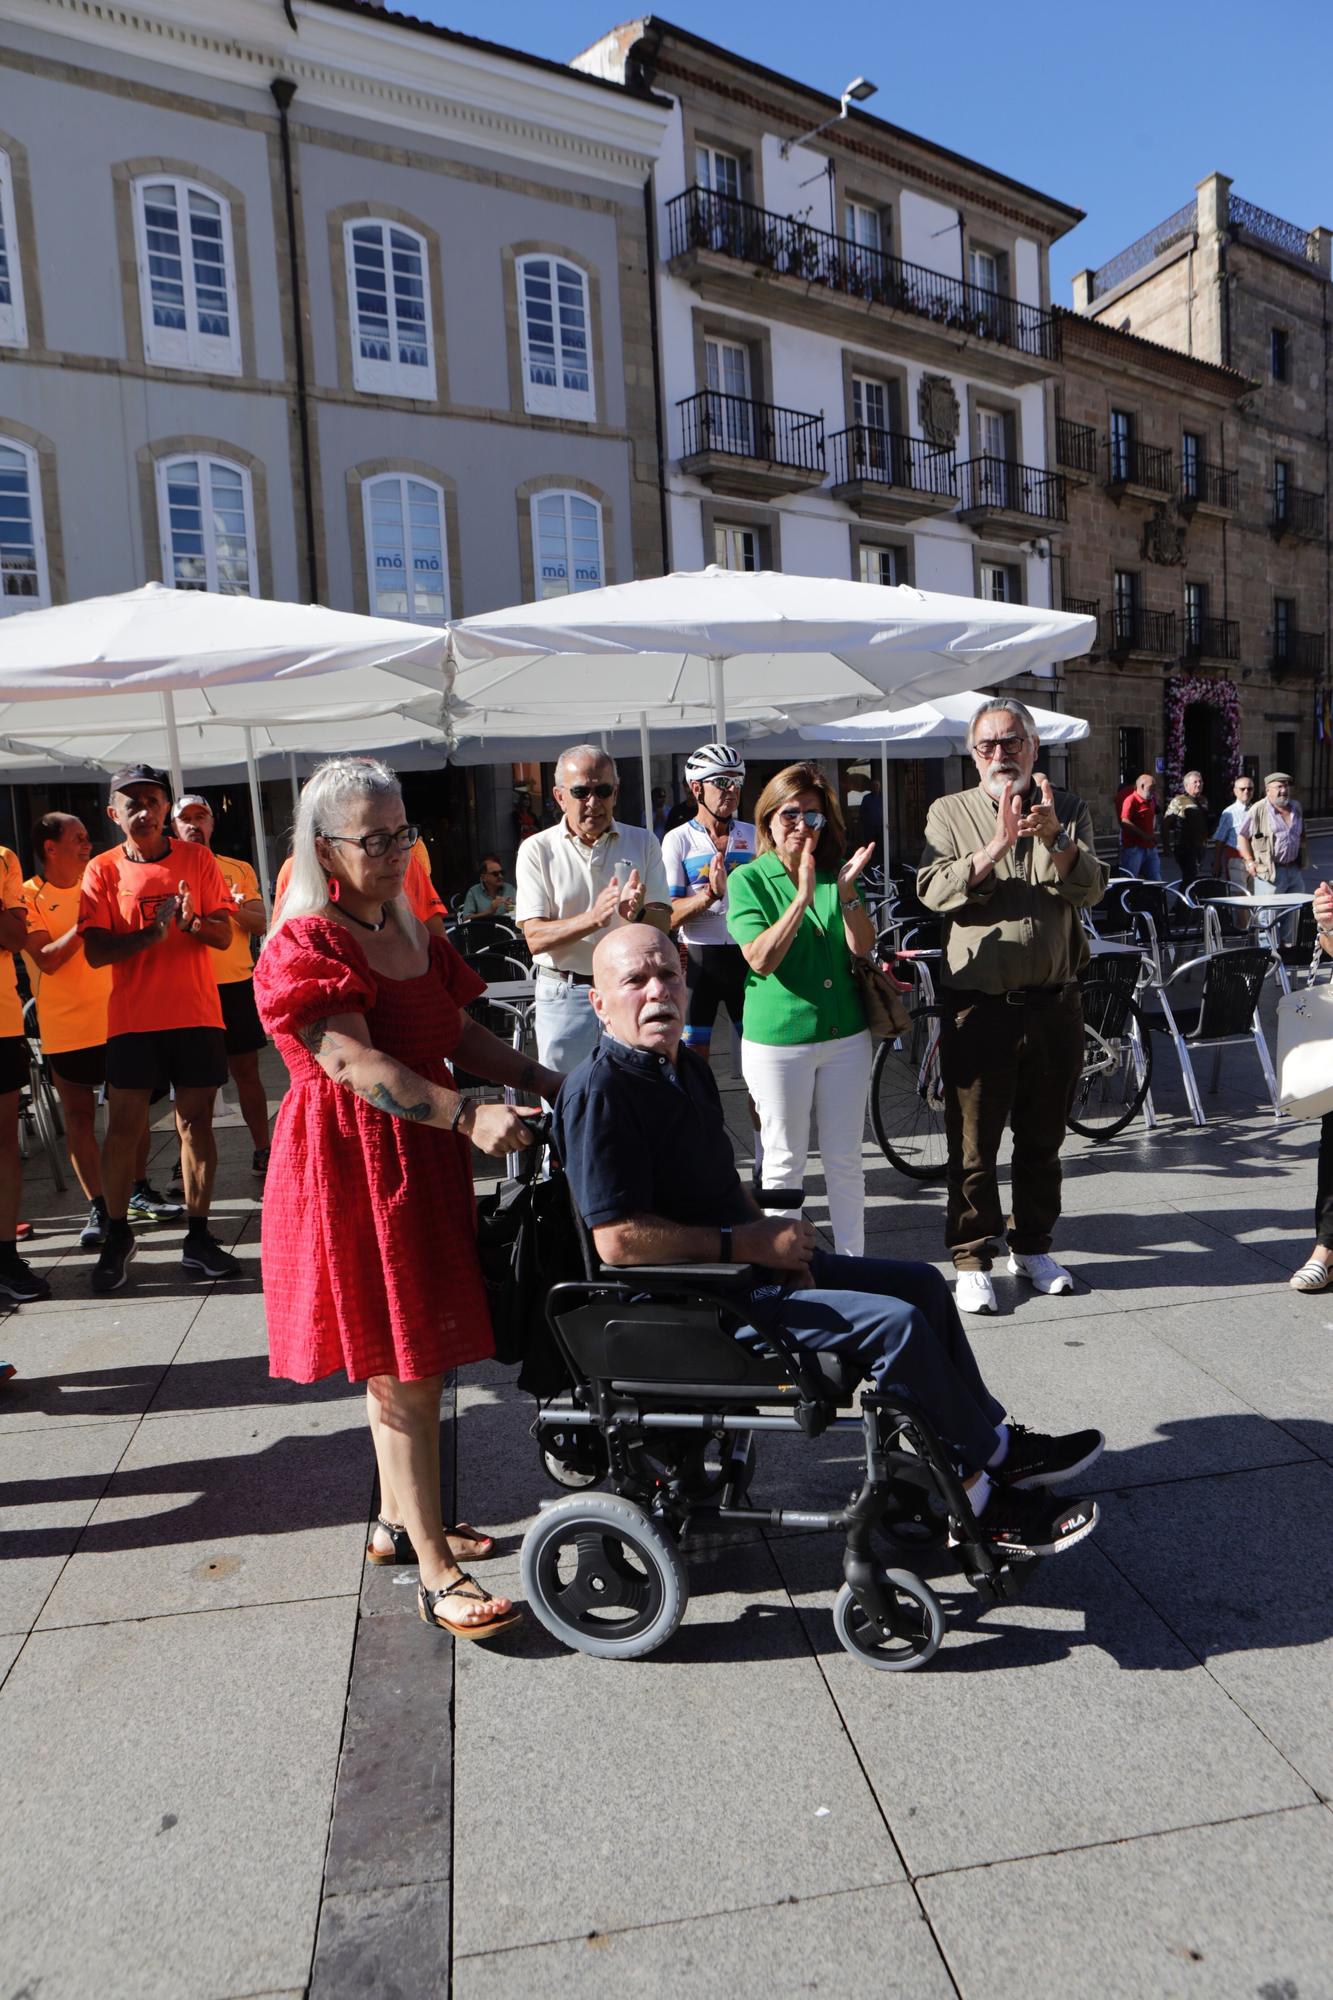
(857, 91)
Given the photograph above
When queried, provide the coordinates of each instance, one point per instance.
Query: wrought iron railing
(1211, 484)
(886, 459)
(1018, 489)
(1134, 630)
(1130, 463)
(700, 219)
(1183, 223)
(1211, 638)
(1075, 445)
(1298, 512)
(1297, 652)
(1272, 229)
(1082, 607)
(738, 427)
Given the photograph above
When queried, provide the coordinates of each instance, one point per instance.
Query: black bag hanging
(527, 1241)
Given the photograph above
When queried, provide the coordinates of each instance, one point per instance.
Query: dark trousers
(1323, 1200)
(899, 1321)
(1188, 860)
(1006, 1064)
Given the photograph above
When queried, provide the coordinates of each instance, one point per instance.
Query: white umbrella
(148, 664)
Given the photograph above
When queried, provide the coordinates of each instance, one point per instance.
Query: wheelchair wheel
(907, 1100)
(916, 1616)
(602, 1577)
(574, 1458)
(1117, 1070)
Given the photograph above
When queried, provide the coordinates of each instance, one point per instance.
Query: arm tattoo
(312, 1036)
(383, 1099)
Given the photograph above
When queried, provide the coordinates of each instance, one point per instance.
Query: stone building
(1198, 496)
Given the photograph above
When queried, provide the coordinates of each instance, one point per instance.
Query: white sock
(1001, 1451)
(979, 1492)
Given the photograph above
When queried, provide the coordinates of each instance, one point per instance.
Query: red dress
(369, 1235)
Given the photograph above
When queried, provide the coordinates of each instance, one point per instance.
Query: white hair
(577, 751)
(1002, 704)
(324, 801)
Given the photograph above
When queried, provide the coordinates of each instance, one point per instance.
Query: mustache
(659, 1010)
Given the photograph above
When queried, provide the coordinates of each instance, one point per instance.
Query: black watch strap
(725, 1233)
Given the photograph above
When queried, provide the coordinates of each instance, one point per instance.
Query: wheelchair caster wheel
(574, 1459)
(917, 1619)
(602, 1577)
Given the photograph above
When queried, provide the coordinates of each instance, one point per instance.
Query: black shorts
(240, 1018)
(85, 1066)
(13, 1063)
(189, 1058)
(714, 976)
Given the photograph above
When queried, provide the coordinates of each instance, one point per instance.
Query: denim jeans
(1145, 862)
(567, 1029)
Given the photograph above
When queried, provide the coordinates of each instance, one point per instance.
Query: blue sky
(1119, 109)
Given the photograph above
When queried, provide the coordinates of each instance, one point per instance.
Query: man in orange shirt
(18, 1282)
(234, 969)
(72, 998)
(152, 910)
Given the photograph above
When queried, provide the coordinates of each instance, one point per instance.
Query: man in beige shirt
(1008, 865)
(575, 881)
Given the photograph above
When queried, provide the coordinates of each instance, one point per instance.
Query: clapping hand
(1041, 820)
(1323, 907)
(632, 901)
(187, 916)
(607, 903)
(717, 877)
(850, 870)
(806, 875)
(1008, 813)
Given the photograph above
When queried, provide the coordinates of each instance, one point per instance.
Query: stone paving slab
(50, 1485)
(1280, 1359)
(1239, 1912)
(383, 1942)
(222, 1364)
(77, 1366)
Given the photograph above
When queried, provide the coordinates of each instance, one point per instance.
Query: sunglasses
(991, 746)
(375, 845)
(724, 784)
(792, 816)
(582, 792)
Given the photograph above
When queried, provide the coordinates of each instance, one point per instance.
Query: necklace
(343, 911)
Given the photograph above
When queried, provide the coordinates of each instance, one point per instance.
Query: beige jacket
(1020, 926)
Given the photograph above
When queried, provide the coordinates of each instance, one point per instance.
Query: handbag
(527, 1241)
(1305, 1051)
(881, 998)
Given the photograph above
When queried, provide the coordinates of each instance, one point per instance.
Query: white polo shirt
(559, 875)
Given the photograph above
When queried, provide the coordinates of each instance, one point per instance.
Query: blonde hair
(324, 799)
(832, 842)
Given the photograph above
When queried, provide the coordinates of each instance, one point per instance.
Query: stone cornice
(1132, 352)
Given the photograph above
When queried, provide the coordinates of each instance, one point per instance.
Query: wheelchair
(666, 1407)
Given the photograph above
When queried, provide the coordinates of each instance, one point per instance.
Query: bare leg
(406, 1433)
(126, 1130)
(78, 1102)
(10, 1168)
(469, 1547)
(199, 1152)
(254, 1105)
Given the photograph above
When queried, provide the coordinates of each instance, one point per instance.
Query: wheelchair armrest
(730, 1279)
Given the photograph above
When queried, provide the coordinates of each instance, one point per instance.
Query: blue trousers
(899, 1321)
(1145, 862)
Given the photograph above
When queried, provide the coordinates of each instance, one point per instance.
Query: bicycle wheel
(907, 1100)
(1117, 1071)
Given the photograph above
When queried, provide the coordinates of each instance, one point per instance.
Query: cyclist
(699, 856)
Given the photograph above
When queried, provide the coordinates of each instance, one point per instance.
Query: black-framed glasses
(582, 792)
(376, 845)
(991, 746)
(793, 815)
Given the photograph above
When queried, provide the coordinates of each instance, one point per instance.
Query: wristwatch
(1062, 843)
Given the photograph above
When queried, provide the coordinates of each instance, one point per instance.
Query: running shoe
(974, 1293)
(19, 1283)
(147, 1205)
(1034, 1459)
(1042, 1272)
(1024, 1525)
(119, 1248)
(93, 1234)
(204, 1254)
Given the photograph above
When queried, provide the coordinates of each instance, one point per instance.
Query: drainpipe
(663, 506)
(283, 91)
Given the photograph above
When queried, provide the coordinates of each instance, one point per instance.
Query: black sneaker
(259, 1160)
(1033, 1459)
(109, 1270)
(204, 1254)
(93, 1234)
(1023, 1525)
(149, 1206)
(19, 1283)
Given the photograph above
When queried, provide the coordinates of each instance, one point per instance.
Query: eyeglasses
(724, 784)
(792, 816)
(991, 746)
(375, 845)
(582, 792)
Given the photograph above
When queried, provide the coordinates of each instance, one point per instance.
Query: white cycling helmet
(714, 760)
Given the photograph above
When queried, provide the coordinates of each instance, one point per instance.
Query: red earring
(335, 888)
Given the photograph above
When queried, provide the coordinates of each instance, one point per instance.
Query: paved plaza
(234, 1763)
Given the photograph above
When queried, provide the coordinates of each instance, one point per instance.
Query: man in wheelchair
(640, 1129)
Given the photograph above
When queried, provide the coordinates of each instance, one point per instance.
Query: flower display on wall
(1181, 691)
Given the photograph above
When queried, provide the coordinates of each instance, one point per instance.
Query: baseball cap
(140, 774)
(191, 799)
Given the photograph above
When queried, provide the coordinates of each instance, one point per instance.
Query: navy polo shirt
(641, 1135)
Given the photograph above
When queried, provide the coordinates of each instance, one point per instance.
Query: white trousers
(832, 1080)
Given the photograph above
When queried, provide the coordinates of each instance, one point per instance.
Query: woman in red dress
(369, 1249)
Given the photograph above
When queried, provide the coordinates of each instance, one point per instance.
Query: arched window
(388, 268)
(407, 551)
(187, 276)
(555, 323)
(206, 517)
(13, 320)
(566, 543)
(24, 584)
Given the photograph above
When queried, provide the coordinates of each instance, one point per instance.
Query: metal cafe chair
(1227, 1015)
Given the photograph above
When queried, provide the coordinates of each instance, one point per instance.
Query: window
(1284, 624)
(1191, 457)
(1280, 354)
(864, 226)
(880, 565)
(387, 272)
(1284, 746)
(23, 579)
(999, 583)
(1122, 443)
(730, 425)
(717, 171)
(187, 282)
(992, 481)
(736, 548)
(207, 524)
(1125, 602)
(878, 448)
(983, 270)
(555, 323)
(1131, 755)
(567, 543)
(406, 552)
(1281, 488)
(1196, 609)
(13, 321)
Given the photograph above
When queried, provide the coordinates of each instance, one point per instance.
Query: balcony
(1207, 489)
(1082, 607)
(748, 449)
(1076, 447)
(886, 477)
(1211, 638)
(1137, 471)
(1138, 631)
(1297, 654)
(725, 247)
(1297, 514)
(997, 497)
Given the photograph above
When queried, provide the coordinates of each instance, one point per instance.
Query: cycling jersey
(688, 853)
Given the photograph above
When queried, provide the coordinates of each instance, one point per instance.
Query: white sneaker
(1042, 1272)
(974, 1292)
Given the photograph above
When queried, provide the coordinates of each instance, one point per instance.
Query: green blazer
(812, 996)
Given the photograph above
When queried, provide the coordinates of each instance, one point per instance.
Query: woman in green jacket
(797, 915)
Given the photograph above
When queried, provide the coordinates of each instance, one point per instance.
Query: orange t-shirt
(172, 984)
(11, 898)
(236, 963)
(421, 897)
(71, 1003)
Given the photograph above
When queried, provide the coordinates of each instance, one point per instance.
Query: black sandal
(428, 1607)
(403, 1551)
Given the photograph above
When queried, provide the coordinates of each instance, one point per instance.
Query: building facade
(320, 303)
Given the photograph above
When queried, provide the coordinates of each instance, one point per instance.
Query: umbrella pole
(257, 815)
(715, 666)
(645, 765)
(173, 744)
(884, 810)
(296, 783)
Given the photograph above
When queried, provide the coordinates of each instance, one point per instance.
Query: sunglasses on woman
(375, 845)
(793, 815)
(582, 792)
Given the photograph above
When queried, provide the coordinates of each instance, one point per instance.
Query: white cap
(190, 799)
